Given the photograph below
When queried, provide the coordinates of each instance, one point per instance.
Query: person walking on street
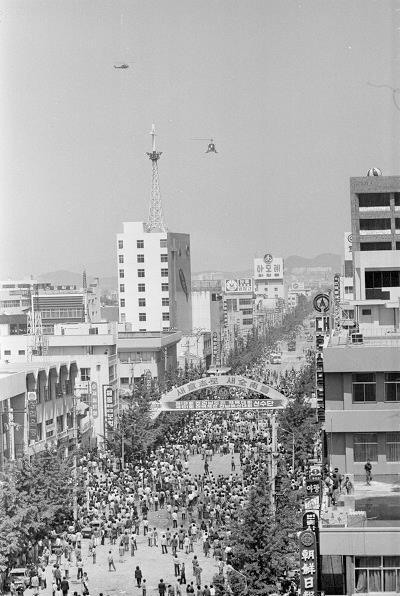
(138, 576)
(183, 574)
(177, 563)
(162, 587)
(144, 588)
(368, 472)
(111, 564)
(64, 586)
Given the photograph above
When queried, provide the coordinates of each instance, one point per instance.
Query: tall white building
(154, 279)
(154, 269)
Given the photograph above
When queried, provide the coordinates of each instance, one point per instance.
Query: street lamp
(290, 433)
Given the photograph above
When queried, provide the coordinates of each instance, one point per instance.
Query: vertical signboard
(336, 300)
(95, 399)
(308, 563)
(32, 416)
(108, 397)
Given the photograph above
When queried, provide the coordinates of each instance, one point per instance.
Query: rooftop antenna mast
(155, 221)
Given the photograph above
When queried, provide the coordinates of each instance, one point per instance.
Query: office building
(154, 279)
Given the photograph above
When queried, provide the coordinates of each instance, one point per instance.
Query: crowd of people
(160, 503)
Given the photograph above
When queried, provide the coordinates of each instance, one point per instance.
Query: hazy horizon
(280, 85)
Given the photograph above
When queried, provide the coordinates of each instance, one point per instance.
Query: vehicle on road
(20, 577)
(291, 345)
(276, 359)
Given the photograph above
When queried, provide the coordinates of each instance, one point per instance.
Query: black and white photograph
(199, 297)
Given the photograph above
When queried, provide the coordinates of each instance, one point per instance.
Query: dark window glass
(374, 199)
(375, 224)
(375, 246)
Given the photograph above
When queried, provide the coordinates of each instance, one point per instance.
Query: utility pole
(74, 465)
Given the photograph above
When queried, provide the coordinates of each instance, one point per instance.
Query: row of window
(142, 302)
(140, 258)
(140, 243)
(382, 279)
(364, 387)
(141, 273)
(377, 199)
(377, 574)
(143, 316)
(8, 353)
(365, 447)
(142, 288)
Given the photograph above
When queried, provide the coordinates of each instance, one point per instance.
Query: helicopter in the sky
(210, 147)
(121, 66)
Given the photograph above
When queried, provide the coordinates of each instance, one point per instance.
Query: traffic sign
(321, 303)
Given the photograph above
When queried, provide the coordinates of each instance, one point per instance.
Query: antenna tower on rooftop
(155, 221)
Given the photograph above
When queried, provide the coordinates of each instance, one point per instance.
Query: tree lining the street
(264, 542)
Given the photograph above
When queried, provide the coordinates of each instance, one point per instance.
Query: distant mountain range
(63, 277)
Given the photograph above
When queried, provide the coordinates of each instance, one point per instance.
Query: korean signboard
(108, 396)
(312, 488)
(268, 268)
(32, 416)
(308, 563)
(200, 405)
(239, 286)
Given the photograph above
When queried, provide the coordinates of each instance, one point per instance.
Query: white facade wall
(201, 311)
(152, 265)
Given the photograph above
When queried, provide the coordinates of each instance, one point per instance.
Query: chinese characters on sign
(308, 563)
(95, 399)
(32, 416)
(222, 404)
(268, 269)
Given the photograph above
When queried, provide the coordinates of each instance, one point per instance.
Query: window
(247, 311)
(164, 272)
(7, 352)
(163, 243)
(85, 374)
(244, 301)
(392, 386)
(124, 380)
(141, 287)
(142, 301)
(397, 223)
(365, 447)
(393, 446)
(165, 316)
(140, 272)
(375, 224)
(120, 258)
(397, 199)
(139, 243)
(164, 287)
(247, 321)
(374, 199)
(142, 316)
(165, 328)
(366, 312)
(122, 288)
(364, 387)
(120, 244)
(121, 273)
(382, 279)
(164, 258)
(376, 246)
(377, 574)
(122, 302)
(348, 268)
(165, 301)
(348, 289)
(140, 258)
(21, 352)
(60, 423)
(39, 431)
(49, 422)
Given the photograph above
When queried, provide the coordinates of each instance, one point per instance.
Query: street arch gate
(172, 401)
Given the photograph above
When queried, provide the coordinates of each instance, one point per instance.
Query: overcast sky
(281, 86)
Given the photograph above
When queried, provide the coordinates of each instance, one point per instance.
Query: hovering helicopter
(121, 66)
(210, 147)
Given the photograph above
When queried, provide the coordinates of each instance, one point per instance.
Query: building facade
(154, 279)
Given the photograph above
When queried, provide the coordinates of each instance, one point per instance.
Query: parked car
(20, 576)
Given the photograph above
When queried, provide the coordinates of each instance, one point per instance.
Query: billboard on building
(242, 285)
(32, 416)
(348, 240)
(268, 267)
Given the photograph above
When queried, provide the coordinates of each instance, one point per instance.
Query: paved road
(153, 564)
